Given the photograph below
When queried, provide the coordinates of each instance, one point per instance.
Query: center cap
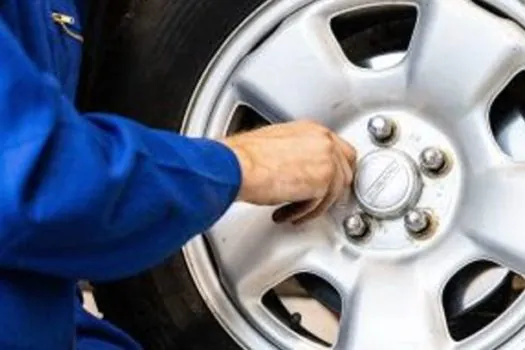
(387, 183)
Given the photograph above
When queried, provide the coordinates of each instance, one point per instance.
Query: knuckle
(328, 145)
(326, 132)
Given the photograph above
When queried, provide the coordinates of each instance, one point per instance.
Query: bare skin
(301, 164)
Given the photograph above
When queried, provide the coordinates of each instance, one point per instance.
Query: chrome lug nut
(417, 221)
(382, 129)
(355, 226)
(433, 159)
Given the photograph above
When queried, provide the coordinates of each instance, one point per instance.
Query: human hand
(301, 164)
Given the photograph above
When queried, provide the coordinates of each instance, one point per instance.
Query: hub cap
(285, 63)
(387, 183)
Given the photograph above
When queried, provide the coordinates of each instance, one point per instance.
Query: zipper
(66, 22)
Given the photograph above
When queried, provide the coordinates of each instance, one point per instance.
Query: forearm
(96, 196)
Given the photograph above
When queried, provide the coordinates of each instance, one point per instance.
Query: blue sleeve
(96, 196)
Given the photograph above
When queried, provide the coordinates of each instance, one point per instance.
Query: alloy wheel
(438, 189)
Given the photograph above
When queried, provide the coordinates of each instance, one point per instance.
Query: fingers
(299, 213)
(300, 162)
(338, 185)
(347, 149)
(347, 166)
(341, 181)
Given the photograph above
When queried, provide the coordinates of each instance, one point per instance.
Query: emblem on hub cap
(387, 183)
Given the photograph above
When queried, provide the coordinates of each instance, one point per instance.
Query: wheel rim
(395, 277)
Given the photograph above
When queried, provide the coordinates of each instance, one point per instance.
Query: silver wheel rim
(398, 281)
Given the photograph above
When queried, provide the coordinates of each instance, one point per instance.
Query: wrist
(245, 163)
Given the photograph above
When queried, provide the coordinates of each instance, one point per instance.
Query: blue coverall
(84, 196)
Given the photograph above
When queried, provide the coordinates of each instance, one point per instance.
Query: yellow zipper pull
(65, 21)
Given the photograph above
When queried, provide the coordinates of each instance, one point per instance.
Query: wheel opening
(295, 304)
(244, 119)
(477, 295)
(376, 37)
(507, 118)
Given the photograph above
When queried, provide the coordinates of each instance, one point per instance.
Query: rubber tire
(143, 60)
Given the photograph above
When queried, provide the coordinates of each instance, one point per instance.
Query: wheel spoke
(460, 56)
(302, 72)
(299, 71)
(390, 309)
(255, 254)
(493, 214)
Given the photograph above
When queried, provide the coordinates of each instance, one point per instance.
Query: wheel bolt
(417, 221)
(355, 226)
(433, 159)
(381, 128)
